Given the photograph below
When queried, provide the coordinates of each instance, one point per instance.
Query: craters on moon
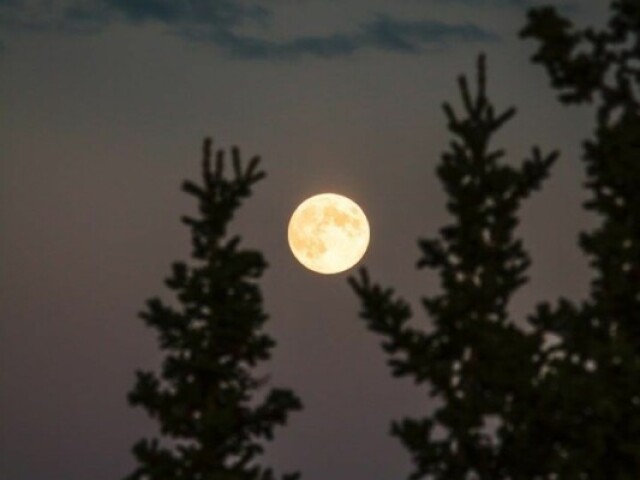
(328, 233)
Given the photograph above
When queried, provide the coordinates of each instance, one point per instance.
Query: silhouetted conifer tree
(590, 391)
(565, 397)
(209, 405)
(477, 363)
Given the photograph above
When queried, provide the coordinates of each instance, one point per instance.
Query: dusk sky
(103, 108)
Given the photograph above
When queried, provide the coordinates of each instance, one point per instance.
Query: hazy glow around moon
(328, 233)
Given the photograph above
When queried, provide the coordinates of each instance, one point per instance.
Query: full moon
(328, 233)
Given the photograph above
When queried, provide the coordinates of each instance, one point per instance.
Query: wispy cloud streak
(217, 22)
(562, 5)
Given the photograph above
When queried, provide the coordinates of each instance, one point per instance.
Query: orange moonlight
(328, 233)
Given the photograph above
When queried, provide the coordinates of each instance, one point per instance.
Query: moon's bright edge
(328, 233)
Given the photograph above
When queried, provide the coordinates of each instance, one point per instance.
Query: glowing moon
(328, 233)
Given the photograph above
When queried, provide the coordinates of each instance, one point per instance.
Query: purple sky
(104, 104)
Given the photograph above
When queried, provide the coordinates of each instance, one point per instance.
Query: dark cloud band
(216, 22)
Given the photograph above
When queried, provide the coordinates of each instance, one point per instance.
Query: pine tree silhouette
(475, 361)
(592, 381)
(206, 399)
(566, 409)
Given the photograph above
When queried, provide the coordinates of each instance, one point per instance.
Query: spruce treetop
(212, 410)
(473, 356)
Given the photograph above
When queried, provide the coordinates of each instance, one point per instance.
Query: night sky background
(103, 108)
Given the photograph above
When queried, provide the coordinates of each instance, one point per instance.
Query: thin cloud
(383, 33)
(412, 36)
(220, 14)
(247, 47)
(567, 6)
(499, 3)
(517, 3)
(217, 23)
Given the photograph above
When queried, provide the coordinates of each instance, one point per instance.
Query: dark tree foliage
(592, 383)
(477, 363)
(212, 413)
(564, 397)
